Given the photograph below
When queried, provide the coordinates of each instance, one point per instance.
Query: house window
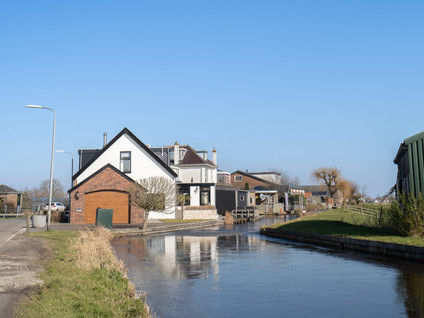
(125, 163)
(205, 195)
(242, 198)
(251, 200)
(238, 178)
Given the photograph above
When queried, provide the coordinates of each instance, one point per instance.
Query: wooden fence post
(28, 222)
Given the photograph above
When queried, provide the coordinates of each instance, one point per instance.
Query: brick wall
(251, 181)
(105, 180)
(200, 215)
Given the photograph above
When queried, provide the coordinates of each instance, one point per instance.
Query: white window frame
(238, 178)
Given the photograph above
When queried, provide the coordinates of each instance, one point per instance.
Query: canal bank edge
(165, 228)
(409, 252)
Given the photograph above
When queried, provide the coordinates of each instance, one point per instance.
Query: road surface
(20, 264)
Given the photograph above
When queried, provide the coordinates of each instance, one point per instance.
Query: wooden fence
(362, 210)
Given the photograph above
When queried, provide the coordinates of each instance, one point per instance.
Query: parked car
(56, 206)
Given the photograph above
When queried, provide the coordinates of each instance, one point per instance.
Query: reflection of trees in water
(410, 287)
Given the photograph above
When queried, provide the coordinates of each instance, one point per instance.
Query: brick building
(244, 180)
(106, 189)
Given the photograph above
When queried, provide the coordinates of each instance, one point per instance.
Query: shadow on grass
(336, 228)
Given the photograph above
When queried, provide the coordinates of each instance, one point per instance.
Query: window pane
(125, 163)
(205, 198)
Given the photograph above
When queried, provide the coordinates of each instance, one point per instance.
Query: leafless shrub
(154, 194)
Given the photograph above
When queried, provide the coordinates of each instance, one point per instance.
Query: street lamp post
(51, 163)
(72, 172)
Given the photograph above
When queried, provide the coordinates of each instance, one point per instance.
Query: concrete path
(10, 228)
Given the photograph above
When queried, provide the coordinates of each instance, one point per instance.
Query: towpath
(20, 264)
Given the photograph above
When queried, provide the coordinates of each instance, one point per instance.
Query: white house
(105, 174)
(197, 178)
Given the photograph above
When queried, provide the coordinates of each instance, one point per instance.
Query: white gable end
(142, 164)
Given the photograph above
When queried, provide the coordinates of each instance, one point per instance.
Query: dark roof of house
(99, 171)
(316, 189)
(5, 189)
(142, 145)
(266, 173)
(85, 156)
(192, 158)
(250, 176)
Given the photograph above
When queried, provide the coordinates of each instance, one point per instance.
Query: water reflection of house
(185, 256)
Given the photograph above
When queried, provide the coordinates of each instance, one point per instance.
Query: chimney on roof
(176, 153)
(214, 156)
(104, 139)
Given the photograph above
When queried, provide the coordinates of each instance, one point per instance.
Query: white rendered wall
(213, 195)
(200, 174)
(194, 196)
(186, 173)
(142, 164)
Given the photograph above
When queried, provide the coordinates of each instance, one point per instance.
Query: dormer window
(125, 162)
(182, 153)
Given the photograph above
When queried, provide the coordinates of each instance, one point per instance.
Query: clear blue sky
(291, 85)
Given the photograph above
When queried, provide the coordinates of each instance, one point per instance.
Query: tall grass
(83, 279)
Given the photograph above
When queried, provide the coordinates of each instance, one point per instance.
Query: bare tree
(346, 190)
(295, 180)
(43, 190)
(154, 194)
(331, 178)
(282, 177)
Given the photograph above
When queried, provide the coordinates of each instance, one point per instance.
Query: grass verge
(347, 224)
(83, 279)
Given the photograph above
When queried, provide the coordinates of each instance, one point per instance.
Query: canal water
(232, 271)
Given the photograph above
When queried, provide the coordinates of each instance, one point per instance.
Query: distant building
(10, 196)
(247, 181)
(315, 194)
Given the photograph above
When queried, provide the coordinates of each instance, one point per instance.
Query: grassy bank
(347, 224)
(83, 278)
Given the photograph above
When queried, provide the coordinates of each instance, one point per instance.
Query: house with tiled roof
(247, 181)
(197, 178)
